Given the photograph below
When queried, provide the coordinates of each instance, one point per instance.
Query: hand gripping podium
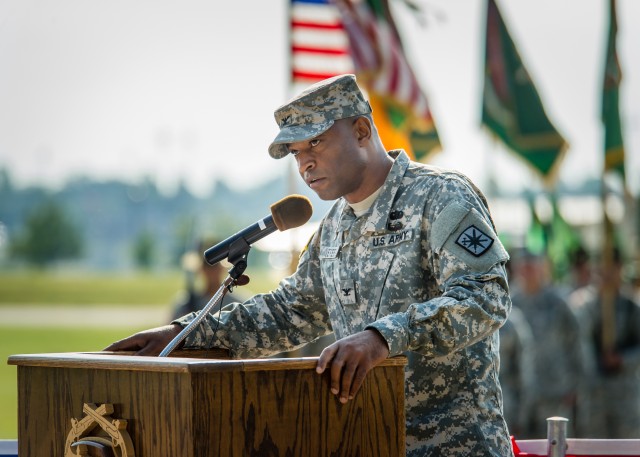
(110, 404)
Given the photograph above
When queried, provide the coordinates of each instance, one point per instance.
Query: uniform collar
(377, 220)
(379, 212)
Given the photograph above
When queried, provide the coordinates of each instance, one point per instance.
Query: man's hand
(351, 358)
(148, 342)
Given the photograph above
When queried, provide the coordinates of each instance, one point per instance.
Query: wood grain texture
(193, 407)
(195, 363)
(155, 404)
(293, 413)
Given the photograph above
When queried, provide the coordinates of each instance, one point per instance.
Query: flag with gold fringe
(511, 106)
(613, 142)
(400, 107)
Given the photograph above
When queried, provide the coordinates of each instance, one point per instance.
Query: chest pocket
(376, 281)
(354, 281)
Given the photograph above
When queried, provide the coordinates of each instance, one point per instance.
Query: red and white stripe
(319, 44)
(378, 54)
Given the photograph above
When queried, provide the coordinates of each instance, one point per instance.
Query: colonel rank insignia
(475, 241)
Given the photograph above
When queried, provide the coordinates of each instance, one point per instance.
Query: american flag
(332, 37)
(404, 117)
(319, 43)
(376, 49)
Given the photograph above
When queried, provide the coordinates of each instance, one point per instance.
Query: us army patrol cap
(315, 110)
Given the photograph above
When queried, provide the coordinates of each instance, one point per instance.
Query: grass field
(29, 287)
(31, 340)
(88, 289)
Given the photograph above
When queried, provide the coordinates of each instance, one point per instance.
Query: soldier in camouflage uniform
(558, 355)
(614, 393)
(203, 280)
(407, 261)
(517, 373)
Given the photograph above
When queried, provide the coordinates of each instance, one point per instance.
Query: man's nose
(305, 161)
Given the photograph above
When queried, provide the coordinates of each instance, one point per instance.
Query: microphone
(290, 212)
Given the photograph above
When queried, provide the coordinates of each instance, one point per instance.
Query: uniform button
(394, 215)
(394, 226)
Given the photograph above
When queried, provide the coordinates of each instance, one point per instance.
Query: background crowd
(555, 360)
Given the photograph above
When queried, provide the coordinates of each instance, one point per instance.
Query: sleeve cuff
(191, 340)
(394, 329)
(184, 320)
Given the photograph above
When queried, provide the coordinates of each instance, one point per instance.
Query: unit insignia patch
(474, 240)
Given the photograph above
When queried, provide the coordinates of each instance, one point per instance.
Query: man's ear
(362, 128)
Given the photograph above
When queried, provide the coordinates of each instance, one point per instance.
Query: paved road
(116, 316)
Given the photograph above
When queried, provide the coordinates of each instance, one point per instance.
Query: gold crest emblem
(97, 433)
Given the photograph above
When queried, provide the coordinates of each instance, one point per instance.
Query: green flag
(613, 144)
(563, 240)
(511, 106)
(536, 237)
(555, 238)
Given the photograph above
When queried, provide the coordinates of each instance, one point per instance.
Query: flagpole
(291, 172)
(613, 153)
(608, 292)
(289, 84)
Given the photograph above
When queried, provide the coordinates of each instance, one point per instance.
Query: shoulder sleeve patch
(467, 235)
(474, 240)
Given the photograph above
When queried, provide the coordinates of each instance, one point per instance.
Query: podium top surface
(195, 364)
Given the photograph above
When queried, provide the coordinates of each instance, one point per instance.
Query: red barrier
(579, 448)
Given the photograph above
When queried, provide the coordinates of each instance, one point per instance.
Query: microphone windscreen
(292, 211)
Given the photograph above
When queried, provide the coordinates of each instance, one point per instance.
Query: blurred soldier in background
(558, 363)
(203, 281)
(614, 394)
(517, 374)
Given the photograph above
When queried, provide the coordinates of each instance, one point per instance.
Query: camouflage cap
(315, 110)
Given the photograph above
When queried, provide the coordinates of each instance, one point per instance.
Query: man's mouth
(312, 181)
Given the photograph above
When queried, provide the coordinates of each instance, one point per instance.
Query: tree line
(118, 225)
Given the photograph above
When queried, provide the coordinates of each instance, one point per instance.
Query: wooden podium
(109, 404)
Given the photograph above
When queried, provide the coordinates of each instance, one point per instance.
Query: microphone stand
(238, 251)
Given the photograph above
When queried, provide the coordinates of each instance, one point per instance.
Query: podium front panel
(293, 412)
(193, 407)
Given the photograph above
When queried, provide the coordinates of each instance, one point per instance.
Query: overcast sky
(185, 91)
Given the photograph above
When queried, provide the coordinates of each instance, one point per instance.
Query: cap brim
(293, 133)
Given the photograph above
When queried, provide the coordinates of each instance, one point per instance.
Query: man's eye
(314, 142)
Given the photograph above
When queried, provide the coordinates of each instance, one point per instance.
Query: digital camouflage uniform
(190, 301)
(613, 408)
(558, 357)
(517, 374)
(425, 268)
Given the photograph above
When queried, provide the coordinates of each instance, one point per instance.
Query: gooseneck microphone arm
(290, 212)
(226, 285)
